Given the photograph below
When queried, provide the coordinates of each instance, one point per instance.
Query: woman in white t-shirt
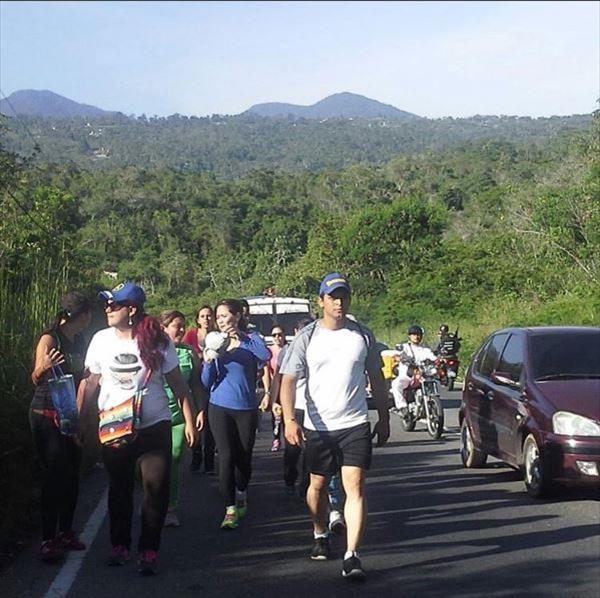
(134, 354)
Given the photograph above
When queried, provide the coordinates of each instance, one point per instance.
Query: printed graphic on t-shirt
(122, 374)
(124, 369)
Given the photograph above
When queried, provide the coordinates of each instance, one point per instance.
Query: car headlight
(571, 424)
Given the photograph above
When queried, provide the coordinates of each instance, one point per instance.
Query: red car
(531, 398)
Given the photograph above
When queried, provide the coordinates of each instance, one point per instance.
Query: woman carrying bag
(130, 360)
(230, 375)
(60, 346)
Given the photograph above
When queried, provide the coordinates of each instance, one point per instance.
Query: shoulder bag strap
(137, 399)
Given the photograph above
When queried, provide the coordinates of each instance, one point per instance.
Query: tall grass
(28, 300)
(563, 310)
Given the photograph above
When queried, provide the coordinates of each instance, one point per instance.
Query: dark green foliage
(233, 146)
(482, 235)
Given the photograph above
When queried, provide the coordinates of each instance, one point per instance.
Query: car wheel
(537, 481)
(470, 456)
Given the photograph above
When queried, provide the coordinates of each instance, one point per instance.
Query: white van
(265, 312)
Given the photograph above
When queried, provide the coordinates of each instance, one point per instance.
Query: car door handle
(474, 389)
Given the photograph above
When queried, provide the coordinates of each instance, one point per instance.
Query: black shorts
(326, 452)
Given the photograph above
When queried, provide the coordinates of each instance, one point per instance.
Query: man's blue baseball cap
(333, 281)
(126, 292)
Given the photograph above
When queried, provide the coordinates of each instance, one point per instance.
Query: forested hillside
(233, 146)
(481, 234)
(433, 232)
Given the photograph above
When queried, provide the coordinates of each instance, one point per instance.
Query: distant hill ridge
(338, 105)
(47, 104)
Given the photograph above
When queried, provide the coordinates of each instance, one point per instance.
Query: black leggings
(60, 459)
(205, 449)
(234, 432)
(291, 456)
(152, 448)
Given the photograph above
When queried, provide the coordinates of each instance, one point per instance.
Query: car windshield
(265, 322)
(565, 355)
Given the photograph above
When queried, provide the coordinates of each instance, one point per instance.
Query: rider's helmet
(443, 329)
(416, 330)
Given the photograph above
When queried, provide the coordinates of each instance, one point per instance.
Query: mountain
(44, 103)
(338, 105)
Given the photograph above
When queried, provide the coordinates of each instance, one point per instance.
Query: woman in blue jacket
(233, 407)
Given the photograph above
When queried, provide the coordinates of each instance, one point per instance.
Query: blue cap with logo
(333, 281)
(126, 292)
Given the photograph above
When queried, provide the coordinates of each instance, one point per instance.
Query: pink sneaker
(147, 563)
(119, 556)
(70, 540)
(276, 445)
(51, 550)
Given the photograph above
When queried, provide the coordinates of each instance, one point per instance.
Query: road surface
(434, 529)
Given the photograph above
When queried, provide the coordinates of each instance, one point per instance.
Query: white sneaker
(336, 523)
(171, 520)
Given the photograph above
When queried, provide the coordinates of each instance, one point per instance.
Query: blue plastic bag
(64, 398)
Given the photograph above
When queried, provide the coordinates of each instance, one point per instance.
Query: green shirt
(186, 365)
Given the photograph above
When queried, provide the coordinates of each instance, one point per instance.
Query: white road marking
(66, 576)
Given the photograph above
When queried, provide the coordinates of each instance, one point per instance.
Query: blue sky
(430, 58)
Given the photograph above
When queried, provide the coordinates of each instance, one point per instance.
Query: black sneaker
(320, 551)
(352, 569)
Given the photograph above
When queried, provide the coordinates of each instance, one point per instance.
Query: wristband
(268, 392)
(291, 419)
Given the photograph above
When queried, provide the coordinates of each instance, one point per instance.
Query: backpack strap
(364, 335)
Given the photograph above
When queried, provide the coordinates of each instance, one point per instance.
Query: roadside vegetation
(482, 235)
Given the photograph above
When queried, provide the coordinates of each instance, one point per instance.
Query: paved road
(434, 529)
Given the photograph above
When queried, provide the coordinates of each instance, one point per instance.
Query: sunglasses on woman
(114, 306)
(277, 334)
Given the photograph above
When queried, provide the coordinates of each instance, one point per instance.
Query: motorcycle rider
(449, 344)
(413, 352)
(443, 335)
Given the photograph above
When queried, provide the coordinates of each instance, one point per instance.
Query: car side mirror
(504, 378)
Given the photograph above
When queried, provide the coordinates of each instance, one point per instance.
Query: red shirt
(191, 338)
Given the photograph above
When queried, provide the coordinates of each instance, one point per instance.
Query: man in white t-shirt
(414, 352)
(333, 354)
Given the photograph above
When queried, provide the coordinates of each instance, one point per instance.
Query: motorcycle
(447, 366)
(423, 399)
(447, 361)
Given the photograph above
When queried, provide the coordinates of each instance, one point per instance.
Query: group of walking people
(158, 388)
